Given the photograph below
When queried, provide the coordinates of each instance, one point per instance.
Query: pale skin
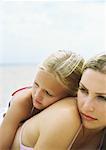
(46, 90)
(63, 119)
(92, 99)
(92, 108)
(47, 130)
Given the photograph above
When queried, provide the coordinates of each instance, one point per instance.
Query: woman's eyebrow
(101, 93)
(83, 86)
(87, 89)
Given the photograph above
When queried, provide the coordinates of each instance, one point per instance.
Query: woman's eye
(102, 98)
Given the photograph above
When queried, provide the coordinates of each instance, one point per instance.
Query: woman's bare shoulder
(64, 108)
(59, 120)
(68, 103)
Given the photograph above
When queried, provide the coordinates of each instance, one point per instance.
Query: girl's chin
(37, 105)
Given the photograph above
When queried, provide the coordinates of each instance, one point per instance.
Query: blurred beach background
(12, 78)
(30, 30)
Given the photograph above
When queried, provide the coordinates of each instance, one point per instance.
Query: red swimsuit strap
(24, 88)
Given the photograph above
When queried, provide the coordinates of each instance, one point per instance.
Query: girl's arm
(19, 110)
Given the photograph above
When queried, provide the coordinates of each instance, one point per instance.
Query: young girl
(57, 77)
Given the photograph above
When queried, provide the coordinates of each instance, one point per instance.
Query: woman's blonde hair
(97, 63)
(67, 67)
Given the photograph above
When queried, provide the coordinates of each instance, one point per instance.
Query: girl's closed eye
(48, 93)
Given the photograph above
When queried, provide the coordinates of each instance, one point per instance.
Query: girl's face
(46, 90)
(92, 99)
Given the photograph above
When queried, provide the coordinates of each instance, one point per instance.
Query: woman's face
(92, 99)
(46, 90)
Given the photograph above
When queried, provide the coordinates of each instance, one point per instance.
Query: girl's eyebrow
(35, 83)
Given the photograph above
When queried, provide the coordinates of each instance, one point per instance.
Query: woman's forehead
(94, 81)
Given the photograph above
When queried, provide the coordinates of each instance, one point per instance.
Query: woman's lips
(87, 117)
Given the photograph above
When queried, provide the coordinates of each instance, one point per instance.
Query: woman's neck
(92, 132)
(96, 136)
(89, 139)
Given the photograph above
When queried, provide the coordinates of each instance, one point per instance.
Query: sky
(30, 30)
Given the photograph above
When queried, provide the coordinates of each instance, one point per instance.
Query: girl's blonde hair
(67, 68)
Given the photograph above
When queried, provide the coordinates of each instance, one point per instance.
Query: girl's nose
(39, 94)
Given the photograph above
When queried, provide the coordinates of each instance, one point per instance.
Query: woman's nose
(89, 104)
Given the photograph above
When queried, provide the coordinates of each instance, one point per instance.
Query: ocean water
(13, 77)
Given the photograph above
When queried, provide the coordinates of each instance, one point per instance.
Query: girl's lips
(87, 117)
(38, 101)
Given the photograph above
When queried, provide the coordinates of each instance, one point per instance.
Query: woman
(57, 77)
(92, 106)
(55, 127)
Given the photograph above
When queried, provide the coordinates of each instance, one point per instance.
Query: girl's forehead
(48, 80)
